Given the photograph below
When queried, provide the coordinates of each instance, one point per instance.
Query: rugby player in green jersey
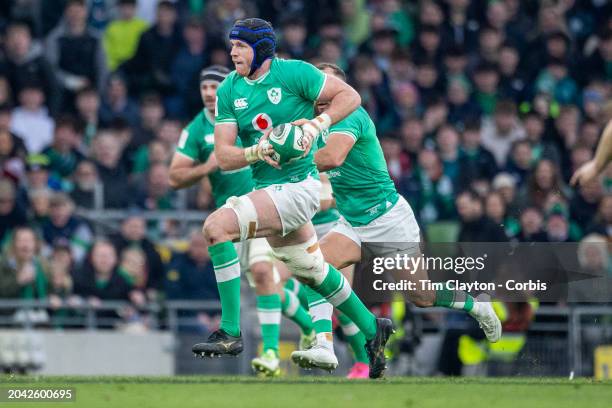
(195, 159)
(373, 212)
(262, 92)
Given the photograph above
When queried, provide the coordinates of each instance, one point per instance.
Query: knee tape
(304, 260)
(259, 251)
(246, 213)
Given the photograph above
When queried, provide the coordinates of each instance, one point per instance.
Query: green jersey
(362, 186)
(285, 93)
(198, 142)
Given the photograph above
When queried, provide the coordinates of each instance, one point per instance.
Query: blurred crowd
(483, 108)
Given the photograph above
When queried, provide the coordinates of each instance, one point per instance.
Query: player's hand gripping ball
(287, 142)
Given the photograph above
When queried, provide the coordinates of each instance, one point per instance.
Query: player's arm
(594, 167)
(335, 151)
(342, 98)
(232, 157)
(183, 172)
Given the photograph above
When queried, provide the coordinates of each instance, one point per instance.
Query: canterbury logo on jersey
(241, 103)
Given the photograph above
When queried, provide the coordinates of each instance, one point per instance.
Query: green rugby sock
(227, 274)
(292, 309)
(320, 311)
(355, 338)
(299, 290)
(269, 314)
(336, 289)
(454, 299)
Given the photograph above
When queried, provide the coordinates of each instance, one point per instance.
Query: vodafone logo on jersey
(262, 122)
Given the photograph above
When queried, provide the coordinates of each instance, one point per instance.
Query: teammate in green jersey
(374, 212)
(262, 92)
(194, 159)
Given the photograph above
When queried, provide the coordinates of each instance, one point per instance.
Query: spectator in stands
(151, 114)
(191, 276)
(475, 162)
(85, 182)
(495, 209)
(12, 154)
(499, 133)
(520, 162)
(461, 106)
(87, 109)
(545, 180)
(133, 235)
(106, 153)
(428, 189)
(63, 152)
(486, 93)
(447, 140)
(531, 226)
(158, 150)
(293, 39)
(185, 68)
(6, 94)
(64, 225)
(23, 274)
(221, 15)
(61, 269)
(554, 80)
(149, 68)
(583, 205)
(597, 64)
(11, 215)
(535, 131)
(31, 120)
(116, 103)
(40, 202)
(602, 223)
(157, 194)
(133, 268)
(412, 135)
(122, 35)
(76, 54)
(98, 278)
(512, 83)
(397, 161)
(475, 225)
(38, 175)
(557, 226)
(25, 65)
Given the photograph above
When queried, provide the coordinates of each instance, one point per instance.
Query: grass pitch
(322, 392)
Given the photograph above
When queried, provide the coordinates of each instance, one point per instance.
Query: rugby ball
(286, 139)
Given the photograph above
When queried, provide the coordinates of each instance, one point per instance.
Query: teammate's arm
(183, 173)
(335, 151)
(603, 155)
(342, 98)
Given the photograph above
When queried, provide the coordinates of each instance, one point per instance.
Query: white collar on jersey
(258, 80)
